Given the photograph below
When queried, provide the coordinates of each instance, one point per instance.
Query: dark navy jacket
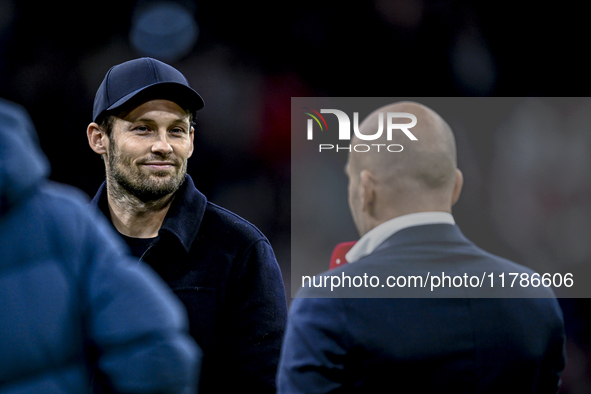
(70, 298)
(458, 344)
(224, 271)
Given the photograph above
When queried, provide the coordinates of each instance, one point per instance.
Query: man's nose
(161, 145)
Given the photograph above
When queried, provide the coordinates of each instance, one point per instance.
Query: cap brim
(184, 96)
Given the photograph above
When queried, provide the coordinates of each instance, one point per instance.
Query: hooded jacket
(70, 298)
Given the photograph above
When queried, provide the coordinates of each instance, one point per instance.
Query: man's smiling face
(149, 148)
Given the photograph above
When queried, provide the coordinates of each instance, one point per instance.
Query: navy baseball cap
(139, 80)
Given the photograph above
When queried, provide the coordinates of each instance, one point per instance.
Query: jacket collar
(183, 218)
(372, 239)
(440, 233)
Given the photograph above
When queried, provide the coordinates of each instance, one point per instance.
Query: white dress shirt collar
(373, 238)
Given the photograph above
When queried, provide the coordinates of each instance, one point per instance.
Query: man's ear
(457, 187)
(97, 139)
(367, 191)
(191, 136)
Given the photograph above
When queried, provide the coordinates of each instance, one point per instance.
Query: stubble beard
(146, 186)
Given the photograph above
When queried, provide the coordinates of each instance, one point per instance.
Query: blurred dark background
(248, 59)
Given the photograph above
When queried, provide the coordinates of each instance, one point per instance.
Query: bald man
(375, 339)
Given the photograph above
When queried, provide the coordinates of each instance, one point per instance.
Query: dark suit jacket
(462, 344)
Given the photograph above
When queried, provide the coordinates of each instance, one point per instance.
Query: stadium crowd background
(527, 193)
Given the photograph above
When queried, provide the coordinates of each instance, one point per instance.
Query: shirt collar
(183, 218)
(376, 236)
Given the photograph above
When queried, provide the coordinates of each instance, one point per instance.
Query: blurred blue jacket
(70, 298)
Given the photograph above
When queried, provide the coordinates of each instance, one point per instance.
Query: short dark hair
(106, 124)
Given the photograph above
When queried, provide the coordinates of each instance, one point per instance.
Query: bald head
(423, 177)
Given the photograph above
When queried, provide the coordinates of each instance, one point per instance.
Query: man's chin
(161, 174)
(160, 186)
(160, 179)
(154, 191)
(148, 185)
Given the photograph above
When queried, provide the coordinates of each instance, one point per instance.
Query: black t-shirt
(139, 246)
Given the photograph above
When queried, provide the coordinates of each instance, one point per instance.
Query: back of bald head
(425, 167)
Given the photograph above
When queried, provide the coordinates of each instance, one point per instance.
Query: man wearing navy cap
(221, 267)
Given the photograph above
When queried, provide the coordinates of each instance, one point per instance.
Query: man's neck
(133, 217)
(378, 234)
